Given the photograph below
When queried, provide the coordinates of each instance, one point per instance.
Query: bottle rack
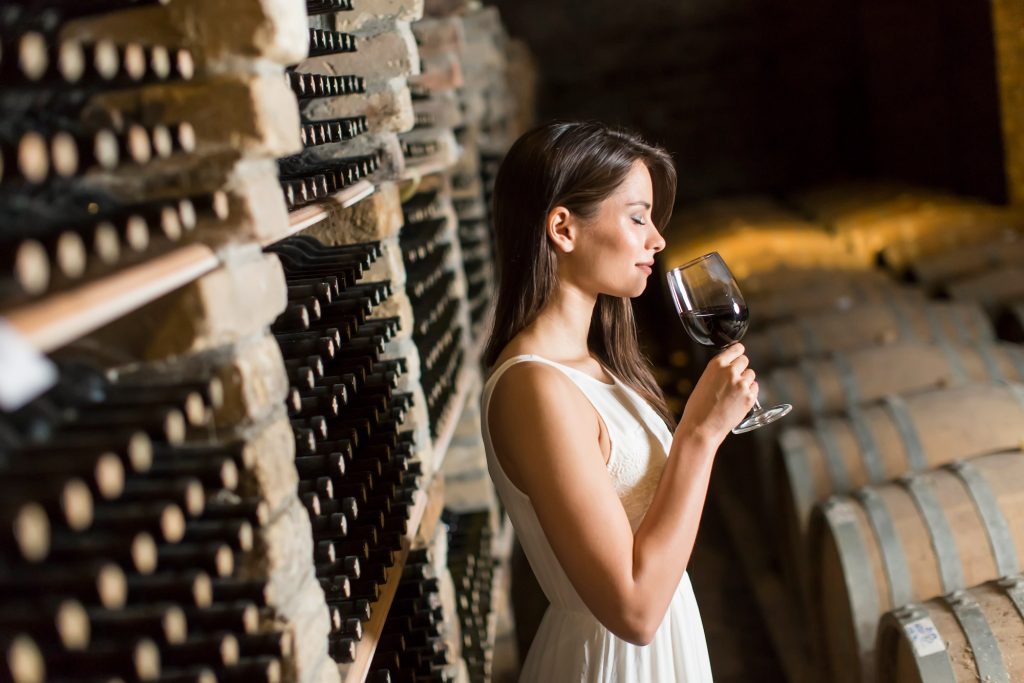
(205, 273)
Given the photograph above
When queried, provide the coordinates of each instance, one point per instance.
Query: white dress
(571, 645)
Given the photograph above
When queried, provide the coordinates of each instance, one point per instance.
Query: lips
(646, 267)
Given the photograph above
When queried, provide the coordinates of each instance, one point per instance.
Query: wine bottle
(164, 624)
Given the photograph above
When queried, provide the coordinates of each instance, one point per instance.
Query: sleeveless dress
(571, 645)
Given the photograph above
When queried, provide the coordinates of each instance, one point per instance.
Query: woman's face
(613, 253)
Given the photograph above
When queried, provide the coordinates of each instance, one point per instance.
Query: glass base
(761, 418)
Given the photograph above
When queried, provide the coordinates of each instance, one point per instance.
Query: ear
(561, 229)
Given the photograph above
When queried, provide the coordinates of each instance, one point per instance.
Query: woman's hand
(722, 397)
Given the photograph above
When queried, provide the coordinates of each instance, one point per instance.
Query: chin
(631, 293)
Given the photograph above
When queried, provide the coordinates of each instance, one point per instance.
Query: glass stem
(757, 406)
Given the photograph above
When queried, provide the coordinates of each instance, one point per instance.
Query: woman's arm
(545, 434)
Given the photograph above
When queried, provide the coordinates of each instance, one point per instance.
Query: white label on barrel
(842, 513)
(925, 637)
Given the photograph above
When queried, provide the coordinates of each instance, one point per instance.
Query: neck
(561, 329)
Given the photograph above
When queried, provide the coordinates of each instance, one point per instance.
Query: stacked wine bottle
(471, 565)
(412, 645)
(438, 335)
(63, 220)
(477, 260)
(357, 466)
(125, 537)
(325, 167)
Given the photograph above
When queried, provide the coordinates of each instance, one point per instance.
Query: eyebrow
(643, 204)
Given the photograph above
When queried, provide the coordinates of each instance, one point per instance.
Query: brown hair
(575, 165)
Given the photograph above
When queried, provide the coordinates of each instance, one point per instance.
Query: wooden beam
(1008, 34)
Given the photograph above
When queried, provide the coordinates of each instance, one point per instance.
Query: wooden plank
(432, 513)
(63, 317)
(1008, 36)
(310, 215)
(779, 609)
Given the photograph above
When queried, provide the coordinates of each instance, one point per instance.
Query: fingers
(729, 354)
(739, 365)
(746, 379)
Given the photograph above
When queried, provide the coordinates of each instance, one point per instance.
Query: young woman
(604, 498)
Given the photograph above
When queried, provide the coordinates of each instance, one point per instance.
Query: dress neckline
(608, 385)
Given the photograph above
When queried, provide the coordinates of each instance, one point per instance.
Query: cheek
(630, 240)
(611, 248)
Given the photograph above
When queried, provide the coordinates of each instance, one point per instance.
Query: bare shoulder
(535, 391)
(534, 405)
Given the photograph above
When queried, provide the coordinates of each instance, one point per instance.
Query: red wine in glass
(717, 326)
(714, 313)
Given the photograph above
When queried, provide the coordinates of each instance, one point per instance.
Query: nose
(658, 241)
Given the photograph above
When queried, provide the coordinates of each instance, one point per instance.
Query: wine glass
(714, 313)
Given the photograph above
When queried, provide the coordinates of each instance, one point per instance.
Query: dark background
(758, 95)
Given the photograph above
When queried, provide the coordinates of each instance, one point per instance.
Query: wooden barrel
(914, 433)
(962, 637)
(931, 228)
(753, 234)
(879, 443)
(816, 388)
(841, 202)
(959, 263)
(992, 289)
(870, 325)
(953, 228)
(837, 294)
(922, 536)
(827, 386)
(789, 280)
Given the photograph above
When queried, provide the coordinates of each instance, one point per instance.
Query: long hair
(575, 165)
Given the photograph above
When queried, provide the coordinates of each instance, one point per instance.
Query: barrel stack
(890, 495)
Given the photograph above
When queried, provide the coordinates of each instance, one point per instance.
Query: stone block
(440, 140)
(381, 55)
(389, 266)
(397, 306)
(387, 106)
(268, 29)
(403, 346)
(439, 35)
(256, 202)
(443, 8)
(251, 374)
(441, 72)
(372, 15)
(216, 31)
(251, 113)
(442, 110)
(305, 616)
(282, 556)
(485, 55)
(269, 457)
(377, 217)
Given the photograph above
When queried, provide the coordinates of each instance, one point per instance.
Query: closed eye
(639, 220)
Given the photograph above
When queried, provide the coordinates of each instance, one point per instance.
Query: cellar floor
(737, 640)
